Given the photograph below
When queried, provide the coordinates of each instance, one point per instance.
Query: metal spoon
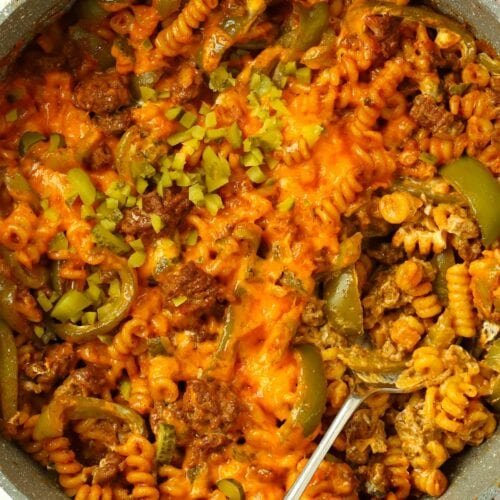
(366, 384)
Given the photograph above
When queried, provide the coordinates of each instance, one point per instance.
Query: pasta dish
(214, 213)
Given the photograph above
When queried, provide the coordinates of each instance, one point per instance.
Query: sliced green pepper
(492, 65)
(165, 444)
(310, 24)
(90, 10)
(343, 303)
(227, 330)
(28, 140)
(442, 262)
(119, 305)
(311, 403)
(471, 178)
(8, 372)
(422, 15)
(60, 410)
(96, 46)
(231, 488)
(494, 398)
(492, 359)
(167, 7)
(425, 188)
(8, 312)
(19, 188)
(33, 278)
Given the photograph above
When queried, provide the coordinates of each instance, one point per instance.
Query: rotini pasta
(203, 204)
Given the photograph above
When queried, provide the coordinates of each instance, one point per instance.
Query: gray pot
(474, 474)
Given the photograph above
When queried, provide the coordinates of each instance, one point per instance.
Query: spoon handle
(348, 408)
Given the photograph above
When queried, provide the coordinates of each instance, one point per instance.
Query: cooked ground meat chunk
(428, 114)
(101, 157)
(108, 468)
(56, 362)
(101, 93)
(385, 31)
(203, 293)
(313, 314)
(172, 209)
(116, 123)
(209, 406)
(185, 84)
(88, 381)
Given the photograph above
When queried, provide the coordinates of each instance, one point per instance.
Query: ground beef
(209, 406)
(88, 381)
(313, 314)
(101, 93)
(204, 295)
(55, 363)
(116, 123)
(185, 84)
(384, 252)
(172, 209)
(101, 157)
(385, 31)
(108, 468)
(430, 115)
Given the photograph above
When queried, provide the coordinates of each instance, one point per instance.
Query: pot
(473, 474)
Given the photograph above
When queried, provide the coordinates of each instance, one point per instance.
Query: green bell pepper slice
(442, 262)
(34, 278)
(310, 26)
(482, 191)
(8, 312)
(342, 302)
(311, 403)
(231, 488)
(8, 372)
(61, 409)
(83, 333)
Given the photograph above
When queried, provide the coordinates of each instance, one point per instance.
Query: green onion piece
(216, 133)
(311, 133)
(231, 488)
(255, 174)
(286, 205)
(213, 202)
(137, 245)
(141, 185)
(59, 242)
(178, 301)
(303, 76)
(114, 290)
(221, 79)
(211, 119)
(56, 141)
(428, 158)
(93, 292)
(165, 445)
(191, 238)
(197, 132)
(39, 331)
(111, 203)
(44, 302)
(195, 194)
(174, 113)
(11, 116)
(89, 318)
(105, 238)
(125, 389)
(28, 140)
(253, 158)
(157, 223)
(108, 224)
(82, 185)
(87, 212)
(179, 137)
(137, 259)
(70, 304)
(204, 108)
(147, 93)
(234, 136)
(188, 119)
